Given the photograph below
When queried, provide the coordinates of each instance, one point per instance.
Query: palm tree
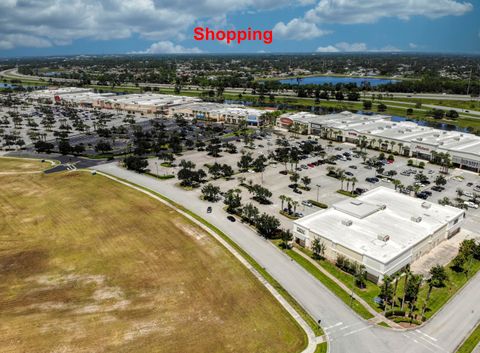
(396, 183)
(294, 204)
(348, 182)
(283, 199)
(354, 181)
(407, 274)
(400, 147)
(342, 179)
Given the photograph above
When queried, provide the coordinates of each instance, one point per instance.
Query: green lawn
(322, 348)
(471, 342)
(368, 294)
(330, 284)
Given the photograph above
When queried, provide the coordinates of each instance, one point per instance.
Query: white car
(471, 204)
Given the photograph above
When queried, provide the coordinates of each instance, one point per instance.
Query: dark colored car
(349, 173)
(296, 191)
(231, 218)
(209, 209)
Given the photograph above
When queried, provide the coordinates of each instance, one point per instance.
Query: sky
(70, 27)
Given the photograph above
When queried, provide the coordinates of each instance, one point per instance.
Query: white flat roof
(379, 212)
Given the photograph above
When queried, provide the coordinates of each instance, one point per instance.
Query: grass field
(87, 264)
(471, 342)
(9, 165)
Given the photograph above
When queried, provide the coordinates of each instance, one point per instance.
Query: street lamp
(318, 190)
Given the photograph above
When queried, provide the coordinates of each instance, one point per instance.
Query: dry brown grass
(8, 165)
(89, 265)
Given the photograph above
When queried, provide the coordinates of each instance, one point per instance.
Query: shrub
(318, 204)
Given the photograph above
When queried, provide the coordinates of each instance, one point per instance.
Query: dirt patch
(23, 263)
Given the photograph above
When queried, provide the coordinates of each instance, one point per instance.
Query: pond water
(319, 80)
(441, 126)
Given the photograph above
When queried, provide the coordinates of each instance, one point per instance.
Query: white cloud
(412, 45)
(351, 47)
(361, 11)
(59, 22)
(167, 47)
(327, 49)
(354, 47)
(298, 29)
(390, 48)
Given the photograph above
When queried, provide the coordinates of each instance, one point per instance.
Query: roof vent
(383, 237)
(382, 206)
(426, 205)
(347, 222)
(416, 219)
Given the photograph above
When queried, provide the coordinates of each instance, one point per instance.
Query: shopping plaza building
(153, 103)
(383, 230)
(379, 131)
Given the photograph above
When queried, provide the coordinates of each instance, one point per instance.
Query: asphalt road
(347, 332)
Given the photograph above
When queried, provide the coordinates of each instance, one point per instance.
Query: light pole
(318, 190)
(156, 166)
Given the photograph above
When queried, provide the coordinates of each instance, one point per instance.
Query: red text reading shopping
(232, 35)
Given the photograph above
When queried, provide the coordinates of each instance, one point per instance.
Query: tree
(211, 192)
(286, 236)
(367, 105)
(438, 276)
(407, 275)
(458, 262)
(103, 146)
(306, 181)
(318, 249)
(259, 164)
(233, 200)
(282, 198)
(227, 171)
(386, 291)
(136, 163)
(64, 147)
(294, 178)
(250, 213)
(382, 107)
(360, 275)
(42, 146)
(267, 225)
(245, 162)
(261, 194)
(440, 180)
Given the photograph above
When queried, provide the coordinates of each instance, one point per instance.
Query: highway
(346, 331)
(13, 73)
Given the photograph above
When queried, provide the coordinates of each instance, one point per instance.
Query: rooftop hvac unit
(416, 219)
(383, 237)
(382, 206)
(426, 205)
(347, 222)
(419, 139)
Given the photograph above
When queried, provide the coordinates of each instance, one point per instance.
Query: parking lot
(322, 187)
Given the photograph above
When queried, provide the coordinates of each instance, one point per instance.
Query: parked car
(307, 203)
(209, 209)
(469, 184)
(438, 188)
(421, 195)
(349, 173)
(471, 204)
(352, 166)
(296, 191)
(359, 191)
(372, 180)
(231, 218)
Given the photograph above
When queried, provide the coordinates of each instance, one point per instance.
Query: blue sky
(68, 27)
